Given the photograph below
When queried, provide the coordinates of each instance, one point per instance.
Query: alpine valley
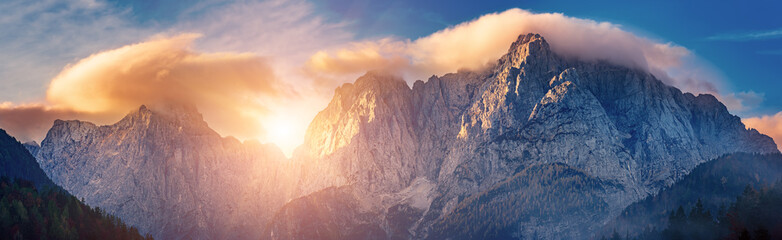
(535, 146)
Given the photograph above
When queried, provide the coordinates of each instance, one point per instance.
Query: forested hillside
(29, 213)
(33, 207)
(718, 199)
(17, 162)
(754, 215)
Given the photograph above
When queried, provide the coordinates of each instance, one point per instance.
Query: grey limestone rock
(468, 131)
(165, 172)
(384, 160)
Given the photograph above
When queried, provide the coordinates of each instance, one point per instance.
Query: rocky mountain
(16, 162)
(534, 146)
(32, 147)
(163, 170)
(467, 141)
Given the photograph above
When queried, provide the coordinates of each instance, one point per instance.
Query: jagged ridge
(165, 172)
(409, 156)
(470, 130)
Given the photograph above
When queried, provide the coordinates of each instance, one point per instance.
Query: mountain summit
(435, 150)
(472, 154)
(163, 170)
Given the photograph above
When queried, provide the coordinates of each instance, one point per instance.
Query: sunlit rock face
(381, 134)
(165, 171)
(469, 133)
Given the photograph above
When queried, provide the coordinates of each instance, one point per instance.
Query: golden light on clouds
(273, 98)
(229, 89)
(474, 44)
(29, 122)
(770, 125)
(233, 91)
(366, 55)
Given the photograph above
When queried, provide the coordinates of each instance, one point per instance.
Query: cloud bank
(475, 43)
(286, 59)
(30, 122)
(266, 40)
(770, 125)
(232, 90)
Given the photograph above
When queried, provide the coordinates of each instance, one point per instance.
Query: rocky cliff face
(577, 139)
(467, 132)
(164, 171)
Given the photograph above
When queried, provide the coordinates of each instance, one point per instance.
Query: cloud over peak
(231, 89)
(475, 43)
(276, 45)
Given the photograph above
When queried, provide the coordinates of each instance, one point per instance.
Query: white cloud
(740, 102)
(750, 36)
(475, 43)
(308, 53)
(41, 38)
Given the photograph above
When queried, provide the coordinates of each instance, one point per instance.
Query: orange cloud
(31, 121)
(769, 125)
(231, 90)
(330, 68)
(361, 56)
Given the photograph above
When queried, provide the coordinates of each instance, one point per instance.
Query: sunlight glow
(283, 132)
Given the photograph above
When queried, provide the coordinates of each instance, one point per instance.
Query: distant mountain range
(534, 146)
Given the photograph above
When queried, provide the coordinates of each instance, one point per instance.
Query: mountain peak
(182, 114)
(380, 80)
(530, 44)
(525, 39)
(172, 157)
(177, 110)
(531, 54)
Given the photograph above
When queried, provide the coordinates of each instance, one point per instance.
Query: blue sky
(719, 32)
(736, 44)
(713, 30)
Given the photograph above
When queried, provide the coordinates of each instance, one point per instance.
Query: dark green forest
(29, 213)
(719, 199)
(754, 215)
(16, 162)
(735, 196)
(33, 207)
